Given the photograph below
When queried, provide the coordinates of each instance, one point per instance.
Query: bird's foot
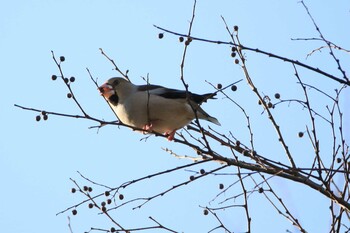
(147, 128)
(171, 135)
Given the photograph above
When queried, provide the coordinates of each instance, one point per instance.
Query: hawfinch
(154, 108)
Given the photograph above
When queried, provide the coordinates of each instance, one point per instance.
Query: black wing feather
(175, 94)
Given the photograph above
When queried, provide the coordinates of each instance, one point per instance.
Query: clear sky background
(38, 158)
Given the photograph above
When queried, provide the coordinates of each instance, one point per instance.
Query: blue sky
(38, 158)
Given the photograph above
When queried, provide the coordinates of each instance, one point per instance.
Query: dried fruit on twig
(205, 212)
(62, 58)
(235, 28)
(277, 95)
(234, 88)
(38, 118)
(300, 134)
(54, 77)
(74, 212)
(221, 186)
(72, 79)
(181, 39)
(121, 196)
(160, 35)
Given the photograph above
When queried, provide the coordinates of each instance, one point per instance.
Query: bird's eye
(115, 82)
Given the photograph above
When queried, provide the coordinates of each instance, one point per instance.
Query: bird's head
(114, 88)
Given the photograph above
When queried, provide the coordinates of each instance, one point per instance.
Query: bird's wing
(175, 94)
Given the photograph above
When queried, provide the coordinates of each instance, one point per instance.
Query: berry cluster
(103, 205)
(43, 115)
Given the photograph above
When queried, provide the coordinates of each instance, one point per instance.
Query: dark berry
(338, 160)
(74, 212)
(259, 102)
(38, 118)
(191, 178)
(233, 49)
(238, 143)
(109, 201)
(219, 86)
(160, 35)
(62, 58)
(103, 203)
(300, 134)
(72, 79)
(234, 88)
(91, 205)
(181, 39)
(54, 77)
(90, 189)
(45, 117)
(235, 28)
(202, 171)
(112, 229)
(187, 42)
(261, 190)
(73, 190)
(66, 80)
(236, 61)
(107, 193)
(69, 95)
(233, 54)
(121, 196)
(221, 186)
(269, 105)
(205, 212)
(103, 208)
(277, 95)
(85, 188)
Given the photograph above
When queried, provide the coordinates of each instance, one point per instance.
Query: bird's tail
(213, 120)
(205, 116)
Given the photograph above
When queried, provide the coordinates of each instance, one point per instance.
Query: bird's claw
(171, 135)
(147, 128)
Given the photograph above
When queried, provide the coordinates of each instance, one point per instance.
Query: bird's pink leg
(170, 135)
(148, 127)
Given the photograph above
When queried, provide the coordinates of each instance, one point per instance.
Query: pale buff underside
(169, 115)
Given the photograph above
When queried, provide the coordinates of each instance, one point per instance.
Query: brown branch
(269, 54)
(125, 75)
(326, 41)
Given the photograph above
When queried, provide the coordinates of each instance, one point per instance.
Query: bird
(153, 108)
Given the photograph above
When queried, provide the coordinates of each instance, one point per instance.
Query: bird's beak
(106, 90)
